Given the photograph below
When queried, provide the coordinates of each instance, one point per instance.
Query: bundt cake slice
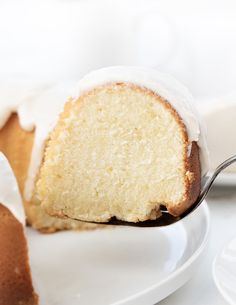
(126, 145)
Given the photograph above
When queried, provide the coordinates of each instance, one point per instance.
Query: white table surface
(201, 288)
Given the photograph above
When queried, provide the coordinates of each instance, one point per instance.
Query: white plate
(224, 272)
(128, 266)
(226, 179)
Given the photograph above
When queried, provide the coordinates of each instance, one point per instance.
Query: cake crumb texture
(121, 151)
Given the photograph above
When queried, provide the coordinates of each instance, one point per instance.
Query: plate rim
(179, 270)
(226, 297)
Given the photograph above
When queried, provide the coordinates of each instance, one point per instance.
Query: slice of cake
(16, 286)
(128, 143)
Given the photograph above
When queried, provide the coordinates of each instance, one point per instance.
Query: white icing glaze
(9, 192)
(38, 105)
(162, 84)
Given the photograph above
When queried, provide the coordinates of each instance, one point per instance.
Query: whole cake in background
(15, 279)
(127, 142)
(16, 287)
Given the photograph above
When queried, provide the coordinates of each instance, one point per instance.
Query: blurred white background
(194, 40)
(59, 39)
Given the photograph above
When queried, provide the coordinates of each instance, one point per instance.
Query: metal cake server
(168, 219)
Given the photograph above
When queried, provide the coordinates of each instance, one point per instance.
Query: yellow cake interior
(118, 150)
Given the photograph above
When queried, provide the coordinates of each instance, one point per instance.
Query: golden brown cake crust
(15, 278)
(193, 181)
(16, 144)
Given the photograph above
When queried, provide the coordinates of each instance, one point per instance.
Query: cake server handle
(208, 181)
